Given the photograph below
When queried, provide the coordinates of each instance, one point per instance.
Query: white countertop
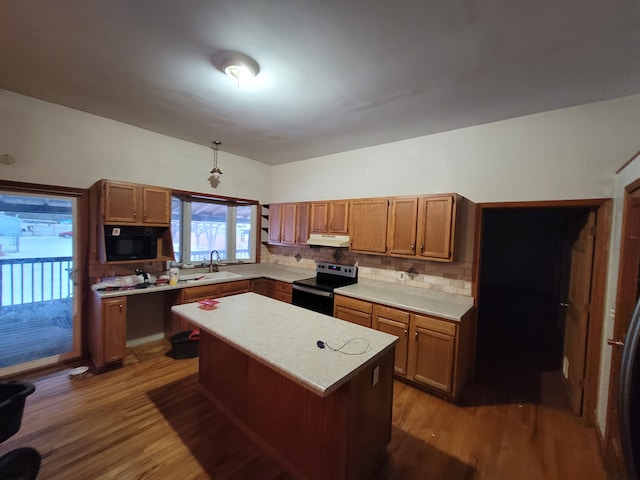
(285, 337)
(444, 305)
(245, 272)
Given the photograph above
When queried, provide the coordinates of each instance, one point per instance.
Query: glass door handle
(73, 275)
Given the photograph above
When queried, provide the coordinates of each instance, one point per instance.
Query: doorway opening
(523, 290)
(39, 288)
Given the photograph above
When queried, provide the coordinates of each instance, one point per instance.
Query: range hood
(336, 241)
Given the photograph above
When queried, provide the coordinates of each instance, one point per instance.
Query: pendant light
(216, 172)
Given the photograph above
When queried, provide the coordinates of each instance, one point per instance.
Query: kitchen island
(323, 413)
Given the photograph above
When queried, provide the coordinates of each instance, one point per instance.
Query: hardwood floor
(150, 420)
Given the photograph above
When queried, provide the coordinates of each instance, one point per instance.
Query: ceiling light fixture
(239, 67)
(216, 172)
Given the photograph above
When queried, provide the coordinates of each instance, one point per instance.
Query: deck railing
(29, 280)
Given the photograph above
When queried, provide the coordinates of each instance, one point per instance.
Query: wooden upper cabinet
(284, 223)
(120, 202)
(422, 227)
(288, 224)
(156, 205)
(329, 217)
(436, 227)
(339, 217)
(368, 225)
(403, 225)
(318, 214)
(275, 221)
(302, 224)
(128, 203)
(418, 227)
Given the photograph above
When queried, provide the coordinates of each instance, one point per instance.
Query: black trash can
(21, 463)
(184, 344)
(12, 397)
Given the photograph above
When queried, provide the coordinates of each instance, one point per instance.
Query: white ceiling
(335, 75)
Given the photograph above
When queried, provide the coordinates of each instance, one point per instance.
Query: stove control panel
(350, 271)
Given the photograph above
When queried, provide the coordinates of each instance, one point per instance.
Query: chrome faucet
(213, 267)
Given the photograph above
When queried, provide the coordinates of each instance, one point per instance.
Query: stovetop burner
(330, 276)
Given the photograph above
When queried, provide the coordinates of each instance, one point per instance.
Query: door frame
(624, 305)
(82, 229)
(603, 208)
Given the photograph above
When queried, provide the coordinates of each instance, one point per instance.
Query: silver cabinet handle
(615, 343)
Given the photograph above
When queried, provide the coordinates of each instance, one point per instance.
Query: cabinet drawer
(353, 316)
(392, 314)
(435, 325)
(354, 304)
(283, 287)
(232, 288)
(191, 294)
(283, 296)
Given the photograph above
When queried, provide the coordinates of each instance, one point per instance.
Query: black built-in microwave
(130, 243)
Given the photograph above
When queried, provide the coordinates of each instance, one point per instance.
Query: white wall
(61, 146)
(565, 154)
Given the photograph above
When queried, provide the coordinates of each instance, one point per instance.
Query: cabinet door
(121, 202)
(114, 320)
(400, 330)
(436, 227)
(433, 358)
(368, 225)
(288, 224)
(338, 217)
(318, 217)
(156, 204)
(403, 224)
(394, 322)
(302, 224)
(263, 286)
(275, 219)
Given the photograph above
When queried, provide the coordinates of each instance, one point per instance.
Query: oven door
(312, 299)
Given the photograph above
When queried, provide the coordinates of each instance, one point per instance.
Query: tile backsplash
(452, 278)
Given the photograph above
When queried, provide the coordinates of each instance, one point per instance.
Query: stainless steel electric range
(316, 293)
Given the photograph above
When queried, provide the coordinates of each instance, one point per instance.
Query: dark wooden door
(577, 314)
(628, 290)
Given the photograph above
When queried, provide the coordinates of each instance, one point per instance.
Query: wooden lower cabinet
(433, 353)
(283, 291)
(432, 359)
(108, 331)
(175, 324)
(353, 310)
(272, 288)
(394, 322)
(263, 286)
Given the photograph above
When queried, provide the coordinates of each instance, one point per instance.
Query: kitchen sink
(192, 277)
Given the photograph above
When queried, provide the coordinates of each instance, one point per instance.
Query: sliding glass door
(39, 314)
